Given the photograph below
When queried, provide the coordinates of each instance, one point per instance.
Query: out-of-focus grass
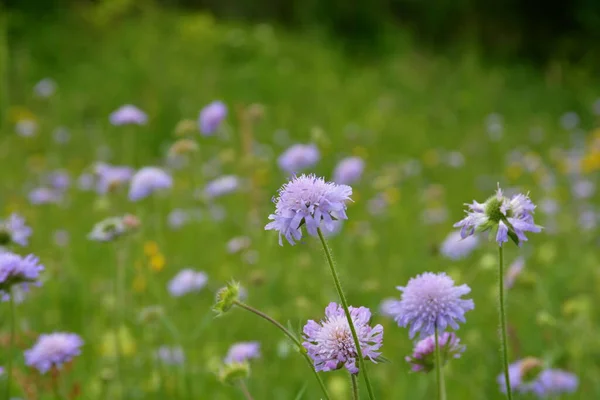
(406, 106)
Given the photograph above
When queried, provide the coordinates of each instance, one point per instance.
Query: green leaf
(300, 393)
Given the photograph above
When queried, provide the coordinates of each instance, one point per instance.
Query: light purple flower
(241, 352)
(299, 157)
(554, 382)
(128, 114)
(14, 230)
(330, 345)
(387, 307)
(44, 195)
(148, 180)
(53, 350)
(423, 359)
(211, 117)
(45, 88)
(431, 301)
(177, 218)
(61, 237)
(455, 247)
(61, 135)
(522, 375)
(59, 180)
(378, 204)
(85, 181)
(110, 177)
(26, 127)
(16, 270)
(513, 272)
(588, 219)
(348, 171)
(311, 201)
(187, 281)
(569, 120)
(238, 243)
(170, 355)
(549, 206)
(221, 186)
(583, 189)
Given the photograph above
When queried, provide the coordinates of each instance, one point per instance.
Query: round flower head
(109, 177)
(211, 117)
(221, 186)
(510, 217)
(423, 357)
(44, 195)
(186, 281)
(521, 374)
(311, 201)
(17, 270)
(330, 344)
(148, 180)
(348, 171)
(431, 301)
(53, 350)
(45, 88)
(170, 355)
(128, 114)
(59, 180)
(26, 127)
(554, 382)
(108, 230)
(298, 158)
(243, 351)
(14, 230)
(455, 247)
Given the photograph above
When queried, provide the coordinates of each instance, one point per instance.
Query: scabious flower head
(243, 351)
(311, 201)
(211, 117)
(226, 297)
(431, 301)
(45, 88)
(554, 382)
(509, 217)
(111, 228)
(348, 171)
(109, 177)
(170, 355)
(148, 180)
(330, 344)
(53, 350)
(455, 247)
(423, 359)
(387, 307)
(521, 374)
(44, 195)
(186, 281)
(14, 230)
(221, 186)
(298, 158)
(59, 179)
(128, 114)
(238, 243)
(17, 270)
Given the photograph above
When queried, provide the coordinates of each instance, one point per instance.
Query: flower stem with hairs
(438, 368)
(503, 337)
(354, 387)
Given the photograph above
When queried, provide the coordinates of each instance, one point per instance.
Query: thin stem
(438, 369)
(119, 301)
(503, 321)
(293, 338)
(55, 384)
(354, 387)
(244, 389)
(338, 286)
(11, 344)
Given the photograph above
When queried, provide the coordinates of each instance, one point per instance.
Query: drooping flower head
(330, 344)
(431, 301)
(18, 271)
(455, 247)
(509, 217)
(227, 296)
(311, 201)
(243, 351)
(348, 171)
(53, 350)
(211, 117)
(554, 382)
(221, 186)
(170, 355)
(14, 230)
(423, 357)
(147, 181)
(298, 157)
(186, 281)
(128, 114)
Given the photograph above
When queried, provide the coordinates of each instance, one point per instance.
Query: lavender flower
(330, 344)
(53, 350)
(186, 281)
(521, 374)
(423, 360)
(509, 217)
(18, 271)
(221, 186)
(387, 307)
(211, 117)
(554, 382)
(177, 218)
(14, 230)
(170, 355)
(110, 177)
(148, 180)
(308, 200)
(238, 243)
(455, 247)
(61, 135)
(298, 158)
(348, 171)
(45, 88)
(26, 127)
(241, 352)
(431, 301)
(583, 189)
(59, 180)
(44, 195)
(128, 114)
(513, 272)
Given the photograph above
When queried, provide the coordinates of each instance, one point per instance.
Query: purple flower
(387, 307)
(583, 189)
(14, 230)
(61, 237)
(455, 247)
(45, 88)
(241, 352)
(53, 350)
(211, 117)
(330, 345)
(170, 355)
(569, 120)
(513, 272)
(128, 114)
(61, 135)
(26, 127)
(148, 180)
(186, 281)
(431, 301)
(17, 270)
(221, 186)
(423, 359)
(85, 181)
(59, 180)
(348, 171)
(521, 374)
(177, 218)
(298, 158)
(44, 195)
(311, 201)
(110, 177)
(554, 382)
(237, 244)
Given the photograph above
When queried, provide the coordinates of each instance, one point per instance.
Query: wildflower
(170, 355)
(53, 350)
(513, 272)
(14, 230)
(85, 181)
(423, 357)
(378, 204)
(60, 237)
(349, 170)
(45, 88)
(18, 271)
(521, 374)
(61, 135)
(387, 307)
(221, 186)
(308, 200)
(237, 244)
(455, 247)
(44, 195)
(227, 296)
(211, 117)
(569, 120)
(243, 351)
(330, 343)
(431, 301)
(186, 281)
(26, 127)
(111, 228)
(554, 382)
(183, 146)
(59, 180)
(232, 373)
(583, 189)
(110, 177)
(298, 158)
(128, 114)
(177, 218)
(509, 217)
(148, 180)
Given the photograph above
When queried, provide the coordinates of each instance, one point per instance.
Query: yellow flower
(151, 248)
(157, 262)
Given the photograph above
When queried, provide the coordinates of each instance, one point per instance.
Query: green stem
(354, 387)
(291, 336)
(504, 343)
(244, 389)
(338, 286)
(11, 343)
(119, 303)
(55, 384)
(438, 368)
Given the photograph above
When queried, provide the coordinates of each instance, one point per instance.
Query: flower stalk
(438, 368)
(503, 338)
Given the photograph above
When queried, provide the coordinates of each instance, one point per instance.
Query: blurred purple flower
(549, 206)
(494, 126)
(18, 271)
(128, 114)
(348, 170)
(170, 355)
(187, 281)
(514, 270)
(554, 382)
(455, 247)
(211, 117)
(26, 127)
(61, 237)
(85, 181)
(221, 186)
(583, 189)
(109, 177)
(387, 307)
(238, 244)
(243, 351)
(14, 230)
(177, 218)
(59, 179)
(569, 120)
(44, 195)
(147, 181)
(298, 158)
(61, 135)
(588, 220)
(423, 360)
(53, 350)
(45, 88)
(377, 205)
